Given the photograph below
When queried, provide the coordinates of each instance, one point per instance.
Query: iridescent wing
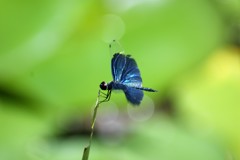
(131, 74)
(133, 95)
(125, 70)
(118, 65)
(127, 76)
(118, 60)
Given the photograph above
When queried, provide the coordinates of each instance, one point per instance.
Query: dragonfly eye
(103, 86)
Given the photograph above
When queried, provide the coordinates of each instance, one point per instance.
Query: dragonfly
(126, 77)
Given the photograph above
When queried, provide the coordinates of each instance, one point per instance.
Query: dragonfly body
(126, 77)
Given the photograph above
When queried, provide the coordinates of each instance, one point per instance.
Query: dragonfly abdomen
(146, 89)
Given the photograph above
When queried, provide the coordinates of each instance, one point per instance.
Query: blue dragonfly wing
(131, 75)
(133, 95)
(118, 65)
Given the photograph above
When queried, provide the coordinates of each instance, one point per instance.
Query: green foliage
(54, 54)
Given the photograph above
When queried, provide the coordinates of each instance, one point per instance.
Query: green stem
(87, 149)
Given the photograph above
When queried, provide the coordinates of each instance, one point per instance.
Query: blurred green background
(54, 54)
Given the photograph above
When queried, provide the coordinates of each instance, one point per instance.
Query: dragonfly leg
(102, 94)
(109, 95)
(106, 96)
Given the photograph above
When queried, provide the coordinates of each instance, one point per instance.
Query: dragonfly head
(103, 85)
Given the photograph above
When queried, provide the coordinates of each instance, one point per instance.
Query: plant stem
(87, 149)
